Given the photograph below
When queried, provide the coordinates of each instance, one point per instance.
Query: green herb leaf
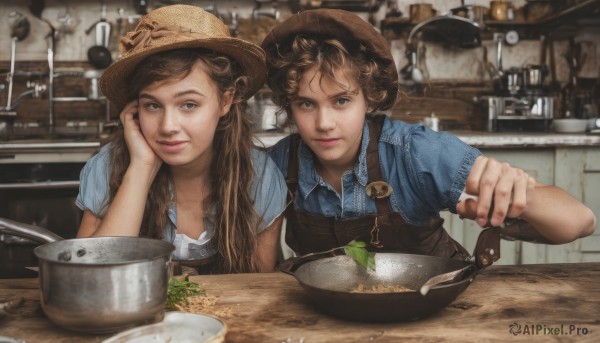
(178, 291)
(358, 250)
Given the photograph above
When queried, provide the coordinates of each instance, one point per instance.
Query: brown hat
(340, 24)
(176, 27)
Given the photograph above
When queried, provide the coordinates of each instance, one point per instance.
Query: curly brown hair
(329, 55)
(231, 169)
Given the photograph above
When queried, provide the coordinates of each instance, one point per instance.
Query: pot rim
(164, 249)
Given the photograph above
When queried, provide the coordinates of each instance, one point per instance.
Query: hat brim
(114, 81)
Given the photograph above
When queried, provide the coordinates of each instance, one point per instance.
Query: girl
(184, 168)
(359, 176)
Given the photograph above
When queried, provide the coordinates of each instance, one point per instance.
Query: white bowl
(177, 327)
(570, 125)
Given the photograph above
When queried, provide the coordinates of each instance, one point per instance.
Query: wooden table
(272, 307)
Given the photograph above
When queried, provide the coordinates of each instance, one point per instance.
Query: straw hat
(340, 24)
(175, 27)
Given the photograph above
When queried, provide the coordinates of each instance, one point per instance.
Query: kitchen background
(561, 36)
(491, 70)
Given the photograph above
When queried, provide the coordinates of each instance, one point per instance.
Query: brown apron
(384, 231)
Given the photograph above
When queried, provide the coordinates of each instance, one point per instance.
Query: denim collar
(308, 177)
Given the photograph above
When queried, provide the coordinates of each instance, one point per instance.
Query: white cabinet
(575, 169)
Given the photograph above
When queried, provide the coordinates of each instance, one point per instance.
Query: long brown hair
(328, 55)
(236, 219)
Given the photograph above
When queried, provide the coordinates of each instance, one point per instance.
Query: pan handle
(487, 249)
(520, 230)
(290, 265)
(514, 229)
(32, 232)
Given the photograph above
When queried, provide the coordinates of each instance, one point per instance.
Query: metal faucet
(51, 89)
(19, 31)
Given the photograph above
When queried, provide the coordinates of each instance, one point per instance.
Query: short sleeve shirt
(426, 169)
(268, 191)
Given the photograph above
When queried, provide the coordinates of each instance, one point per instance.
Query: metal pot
(533, 76)
(512, 81)
(473, 12)
(98, 285)
(331, 282)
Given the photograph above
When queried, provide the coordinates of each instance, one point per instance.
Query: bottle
(432, 122)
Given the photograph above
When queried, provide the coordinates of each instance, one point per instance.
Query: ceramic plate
(180, 327)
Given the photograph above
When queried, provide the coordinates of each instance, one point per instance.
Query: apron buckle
(378, 190)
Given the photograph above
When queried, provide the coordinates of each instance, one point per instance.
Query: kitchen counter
(47, 150)
(484, 139)
(48, 144)
(542, 300)
(478, 139)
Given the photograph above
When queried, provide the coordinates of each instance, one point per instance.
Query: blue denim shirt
(268, 190)
(426, 169)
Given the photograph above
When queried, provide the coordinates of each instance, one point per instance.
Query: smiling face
(330, 115)
(178, 117)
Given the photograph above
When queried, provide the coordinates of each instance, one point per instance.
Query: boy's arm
(507, 192)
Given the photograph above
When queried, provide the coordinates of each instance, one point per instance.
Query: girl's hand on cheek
(139, 150)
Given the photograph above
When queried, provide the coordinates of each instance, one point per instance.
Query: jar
(499, 10)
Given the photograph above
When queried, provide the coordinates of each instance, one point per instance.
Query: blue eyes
(305, 104)
(153, 106)
(340, 102)
(189, 106)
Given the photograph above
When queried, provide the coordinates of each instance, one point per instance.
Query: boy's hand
(502, 191)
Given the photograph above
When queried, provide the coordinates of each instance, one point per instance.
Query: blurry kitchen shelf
(589, 9)
(586, 9)
(348, 5)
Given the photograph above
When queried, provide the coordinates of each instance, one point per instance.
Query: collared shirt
(268, 191)
(426, 169)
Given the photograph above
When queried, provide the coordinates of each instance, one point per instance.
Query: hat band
(153, 33)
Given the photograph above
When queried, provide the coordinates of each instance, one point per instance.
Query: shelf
(585, 10)
(348, 5)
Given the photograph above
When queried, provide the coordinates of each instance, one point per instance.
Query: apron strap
(293, 164)
(373, 166)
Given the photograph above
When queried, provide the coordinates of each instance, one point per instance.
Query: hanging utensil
(19, 26)
(99, 55)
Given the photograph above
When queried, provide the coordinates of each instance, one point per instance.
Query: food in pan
(361, 288)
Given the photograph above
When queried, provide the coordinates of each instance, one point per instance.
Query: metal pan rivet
(64, 256)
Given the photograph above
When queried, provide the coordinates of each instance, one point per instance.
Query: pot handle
(32, 232)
